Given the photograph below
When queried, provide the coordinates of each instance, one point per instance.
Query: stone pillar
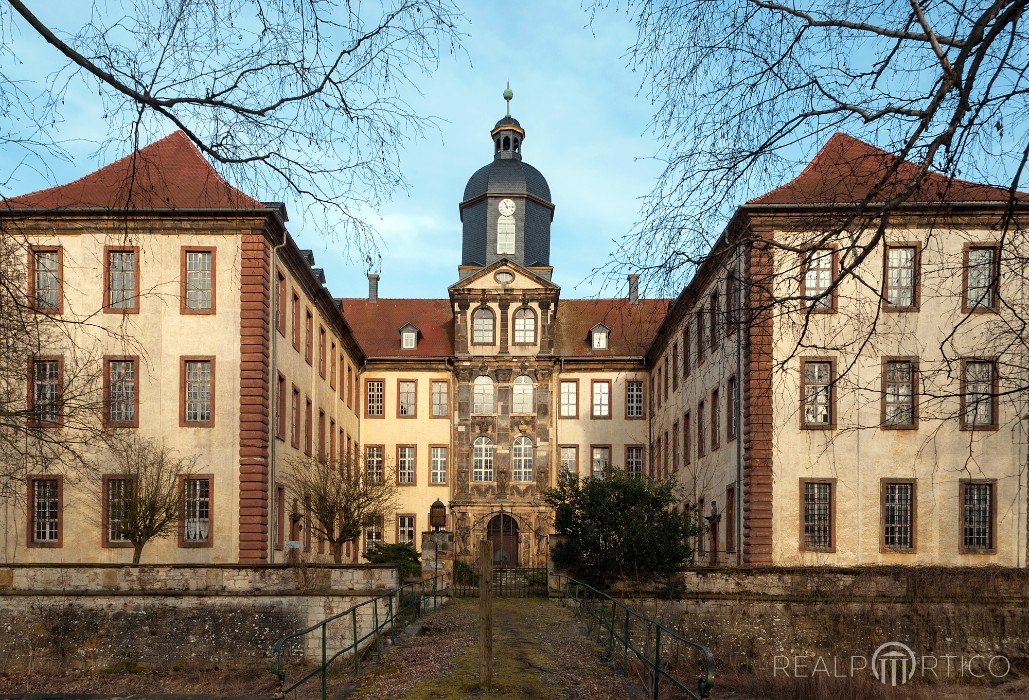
(554, 583)
(437, 553)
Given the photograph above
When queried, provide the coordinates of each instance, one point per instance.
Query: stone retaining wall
(99, 616)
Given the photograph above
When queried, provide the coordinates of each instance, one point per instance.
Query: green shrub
(404, 555)
(465, 574)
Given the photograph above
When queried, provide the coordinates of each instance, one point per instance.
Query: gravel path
(539, 652)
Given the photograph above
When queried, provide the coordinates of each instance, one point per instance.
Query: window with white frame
(121, 391)
(569, 399)
(979, 394)
(409, 339)
(524, 326)
(198, 391)
(373, 463)
(482, 459)
(899, 398)
(46, 390)
(405, 529)
(505, 235)
(438, 472)
(600, 338)
(197, 510)
(374, 399)
(818, 279)
(483, 400)
(523, 395)
(977, 516)
(981, 276)
(45, 511)
(46, 280)
(899, 515)
(405, 464)
(199, 279)
(406, 406)
(119, 493)
(634, 399)
(634, 461)
(121, 279)
(900, 276)
(600, 460)
(372, 533)
(522, 459)
(601, 399)
(817, 394)
(482, 326)
(440, 400)
(570, 459)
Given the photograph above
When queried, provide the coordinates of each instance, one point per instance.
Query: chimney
(634, 288)
(373, 287)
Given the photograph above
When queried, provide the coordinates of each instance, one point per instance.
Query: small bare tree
(143, 494)
(340, 497)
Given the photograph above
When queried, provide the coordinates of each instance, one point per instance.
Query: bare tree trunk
(337, 552)
(137, 551)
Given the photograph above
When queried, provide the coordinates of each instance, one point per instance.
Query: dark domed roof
(507, 177)
(507, 121)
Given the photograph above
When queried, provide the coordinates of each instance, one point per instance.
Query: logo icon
(893, 663)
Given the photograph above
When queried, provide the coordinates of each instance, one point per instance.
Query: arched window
(482, 395)
(507, 143)
(524, 398)
(525, 326)
(498, 144)
(482, 459)
(522, 457)
(482, 326)
(516, 145)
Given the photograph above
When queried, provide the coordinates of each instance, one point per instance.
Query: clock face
(507, 207)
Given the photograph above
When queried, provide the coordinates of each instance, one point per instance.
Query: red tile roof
(633, 326)
(376, 326)
(847, 169)
(168, 174)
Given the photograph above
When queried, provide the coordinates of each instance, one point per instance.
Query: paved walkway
(538, 647)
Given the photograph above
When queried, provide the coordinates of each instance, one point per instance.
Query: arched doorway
(502, 532)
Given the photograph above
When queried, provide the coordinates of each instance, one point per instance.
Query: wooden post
(485, 614)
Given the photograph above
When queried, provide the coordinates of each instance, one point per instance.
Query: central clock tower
(506, 210)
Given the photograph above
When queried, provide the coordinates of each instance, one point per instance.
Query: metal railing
(521, 582)
(357, 629)
(655, 646)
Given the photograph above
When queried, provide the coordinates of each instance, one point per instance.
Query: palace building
(801, 441)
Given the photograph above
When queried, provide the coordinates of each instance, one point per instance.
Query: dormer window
(599, 336)
(408, 337)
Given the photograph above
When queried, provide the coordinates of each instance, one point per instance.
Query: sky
(586, 131)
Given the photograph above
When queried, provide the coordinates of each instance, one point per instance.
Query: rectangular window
(674, 447)
(601, 398)
(308, 427)
(634, 461)
(600, 460)
(45, 511)
(294, 438)
(732, 305)
(118, 494)
(505, 235)
(350, 386)
(673, 364)
(978, 517)
(440, 399)
(655, 450)
(120, 399)
(321, 434)
(121, 280)
(901, 277)
(279, 505)
(687, 442)
(686, 350)
(198, 283)
(730, 518)
(373, 463)
(372, 533)
(666, 371)
(664, 455)
(731, 409)
(981, 267)
(570, 459)
(716, 406)
(322, 357)
(898, 514)
(712, 320)
(634, 399)
(280, 407)
(332, 439)
(196, 517)
(46, 391)
(45, 276)
(700, 430)
(898, 394)
(569, 399)
(280, 306)
(818, 515)
(374, 390)
(197, 392)
(438, 473)
(818, 394)
(309, 337)
(405, 529)
(406, 398)
(296, 321)
(700, 337)
(405, 464)
(819, 275)
(332, 371)
(979, 395)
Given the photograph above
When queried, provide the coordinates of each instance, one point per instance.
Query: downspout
(272, 389)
